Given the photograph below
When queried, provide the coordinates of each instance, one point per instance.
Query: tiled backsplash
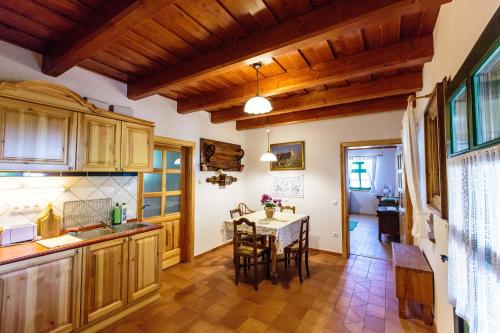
(23, 198)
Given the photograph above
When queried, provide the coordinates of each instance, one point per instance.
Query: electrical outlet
(335, 234)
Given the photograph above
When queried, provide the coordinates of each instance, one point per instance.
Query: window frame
(360, 188)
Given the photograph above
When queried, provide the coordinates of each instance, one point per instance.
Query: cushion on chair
(248, 250)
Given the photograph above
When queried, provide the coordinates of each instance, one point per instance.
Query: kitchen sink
(90, 234)
(129, 226)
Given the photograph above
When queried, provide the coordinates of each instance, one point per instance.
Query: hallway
(364, 238)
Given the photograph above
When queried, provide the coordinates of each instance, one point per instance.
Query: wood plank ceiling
(322, 58)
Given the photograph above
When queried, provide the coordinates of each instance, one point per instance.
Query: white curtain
(410, 153)
(372, 172)
(474, 238)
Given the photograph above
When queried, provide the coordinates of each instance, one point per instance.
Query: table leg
(274, 260)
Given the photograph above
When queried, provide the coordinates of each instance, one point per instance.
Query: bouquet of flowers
(268, 202)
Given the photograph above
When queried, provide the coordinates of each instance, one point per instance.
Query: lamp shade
(268, 157)
(258, 105)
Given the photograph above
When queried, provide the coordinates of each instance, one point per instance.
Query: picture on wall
(290, 156)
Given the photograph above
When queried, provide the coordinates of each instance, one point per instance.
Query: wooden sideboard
(45, 126)
(414, 279)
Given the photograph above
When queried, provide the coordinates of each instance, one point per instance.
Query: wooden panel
(307, 29)
(42, 136)
(404, 84)
(383, 59)
(171, 243)
(215, 155)
(144, 264)
(137, 147)
(345, 110)
(105, 281)
(42, 295)
(99, 143)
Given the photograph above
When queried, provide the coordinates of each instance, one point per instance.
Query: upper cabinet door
(99, 143)
(36, 137)
(137, 147)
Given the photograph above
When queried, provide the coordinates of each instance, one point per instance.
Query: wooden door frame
(344, 146)
(187, 228)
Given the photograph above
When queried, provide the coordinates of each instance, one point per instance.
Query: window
(161, 188)
(458, 116)
(359, 179)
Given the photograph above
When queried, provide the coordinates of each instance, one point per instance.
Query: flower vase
(269, 212)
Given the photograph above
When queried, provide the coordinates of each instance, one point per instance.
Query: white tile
(109, 187)
(65, 196)
(97, 194)
(67, 182)
(121, 180)
(97, 181)
(40, 182)
(83, 189)
(13, 183)
(4, 208)
(132, 209)
(121, 196)
(131, 187)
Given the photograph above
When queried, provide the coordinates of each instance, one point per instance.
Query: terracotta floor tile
(341, 296)
(252, 325)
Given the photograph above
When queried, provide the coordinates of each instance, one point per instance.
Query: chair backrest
(283, 208)
(244, 209)
(304, 234)
(238, 233)
(235, 212)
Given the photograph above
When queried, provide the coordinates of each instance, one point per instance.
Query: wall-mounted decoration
(221, 179)
(289, 155)
(435, 152)
(215, 155)
(291, 186)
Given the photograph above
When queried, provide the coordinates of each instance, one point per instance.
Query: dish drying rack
(84, 213)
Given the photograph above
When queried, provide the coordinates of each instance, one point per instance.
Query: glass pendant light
(257, 104)
(268, 156)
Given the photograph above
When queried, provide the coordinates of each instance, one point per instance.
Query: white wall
(212, 203)
(366, 202)
(322, 193)
(459, 25)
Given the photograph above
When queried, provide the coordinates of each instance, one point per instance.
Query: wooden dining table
(282, 229)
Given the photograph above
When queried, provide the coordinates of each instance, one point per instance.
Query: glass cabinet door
(486, 85)
(458, 121)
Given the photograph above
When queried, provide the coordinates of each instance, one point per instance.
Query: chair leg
(307, 262)
(244, 266)
(286, 261)
(236, 269)
(299, 260)
(268, 266)
(255, 274)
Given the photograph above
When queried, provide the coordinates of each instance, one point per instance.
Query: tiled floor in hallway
(364, 238)
(355, 295)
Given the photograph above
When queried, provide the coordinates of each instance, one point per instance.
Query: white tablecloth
(285, 227)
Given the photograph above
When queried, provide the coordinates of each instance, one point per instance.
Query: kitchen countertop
(14, 253)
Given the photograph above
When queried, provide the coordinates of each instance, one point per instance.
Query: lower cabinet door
(144, 264)
(105, 278)
(41, 294)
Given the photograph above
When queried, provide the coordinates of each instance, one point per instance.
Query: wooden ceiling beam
(397, 85)
(340, 17)
(98, 31)
(384, 104)
(405, 54)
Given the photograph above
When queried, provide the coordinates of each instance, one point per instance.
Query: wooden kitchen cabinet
(137, 147)
(41, 295)
(105, 278)
(99, 143)
(37, 136)
(144, 264)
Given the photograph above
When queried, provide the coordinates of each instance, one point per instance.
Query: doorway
(370, 178)
(166, 198)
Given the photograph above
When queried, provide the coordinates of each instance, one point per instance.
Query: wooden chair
(299, 248)
(283, 208)
(249, 249)
(235, 212)
(244, 209)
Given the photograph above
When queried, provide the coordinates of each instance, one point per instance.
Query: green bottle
(117, 214)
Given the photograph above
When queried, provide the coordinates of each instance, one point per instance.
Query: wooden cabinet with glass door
(162, 195)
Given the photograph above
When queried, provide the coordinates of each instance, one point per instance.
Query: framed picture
(290, 155)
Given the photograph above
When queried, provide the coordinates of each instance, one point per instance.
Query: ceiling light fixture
(257, 104)
(268, 156)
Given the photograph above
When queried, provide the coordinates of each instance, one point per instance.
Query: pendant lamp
(268, 156)
(257, 104)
